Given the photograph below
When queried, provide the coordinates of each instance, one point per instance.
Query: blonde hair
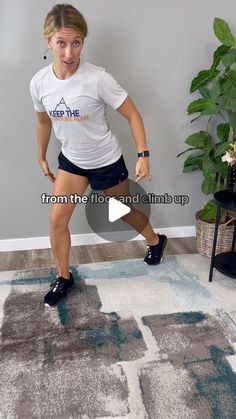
(67, 16)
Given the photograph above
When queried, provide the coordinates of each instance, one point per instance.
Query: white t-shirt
(77, 108)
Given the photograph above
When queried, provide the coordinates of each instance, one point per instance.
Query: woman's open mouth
(69, 63)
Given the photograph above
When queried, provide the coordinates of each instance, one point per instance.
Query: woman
(71, 95)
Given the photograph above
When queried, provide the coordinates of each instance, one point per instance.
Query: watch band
(144, 153)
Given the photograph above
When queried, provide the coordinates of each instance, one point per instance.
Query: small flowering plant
(230, 155)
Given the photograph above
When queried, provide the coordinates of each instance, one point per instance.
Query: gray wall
(153, 49)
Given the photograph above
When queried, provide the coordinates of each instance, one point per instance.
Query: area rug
(131, 342)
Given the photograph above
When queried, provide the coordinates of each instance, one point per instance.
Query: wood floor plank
(33, 259)
(40, 258)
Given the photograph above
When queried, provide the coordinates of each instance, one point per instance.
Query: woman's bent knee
(59, 220)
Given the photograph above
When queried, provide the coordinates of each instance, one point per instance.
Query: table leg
(214, 242)
(234, 237)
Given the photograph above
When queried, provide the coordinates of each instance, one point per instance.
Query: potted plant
(216, 106)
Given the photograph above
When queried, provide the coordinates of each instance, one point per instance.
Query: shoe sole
(54, 305)
(162, 257)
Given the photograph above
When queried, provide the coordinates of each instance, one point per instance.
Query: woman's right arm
(43, 130)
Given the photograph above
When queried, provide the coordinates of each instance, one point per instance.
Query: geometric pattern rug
(131, 341)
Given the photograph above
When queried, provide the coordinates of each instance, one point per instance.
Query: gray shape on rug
(62, 362)
(193, 380)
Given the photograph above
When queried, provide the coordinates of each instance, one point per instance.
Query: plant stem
(208, 122)
(231, 135)
(180, 154)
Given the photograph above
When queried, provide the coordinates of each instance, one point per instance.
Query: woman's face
(66, 45)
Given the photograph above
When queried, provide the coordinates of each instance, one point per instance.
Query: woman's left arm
(130, 112)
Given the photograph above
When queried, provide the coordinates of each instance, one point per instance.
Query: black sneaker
(155, 253)
(59, 288)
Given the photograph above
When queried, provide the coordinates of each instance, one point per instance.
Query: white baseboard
(32, 243)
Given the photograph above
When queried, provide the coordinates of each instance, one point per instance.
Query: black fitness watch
(144, 153)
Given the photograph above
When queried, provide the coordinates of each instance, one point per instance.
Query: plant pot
(205, 235)
(231, 179)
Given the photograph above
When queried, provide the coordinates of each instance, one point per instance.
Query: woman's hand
(142, 169)
(47, 172)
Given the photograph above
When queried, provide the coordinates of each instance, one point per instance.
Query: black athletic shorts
(99, 179)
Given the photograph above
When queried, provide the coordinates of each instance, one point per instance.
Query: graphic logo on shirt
(62, 112)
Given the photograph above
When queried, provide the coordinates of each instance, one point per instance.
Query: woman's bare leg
(65, 184)
(135, 218)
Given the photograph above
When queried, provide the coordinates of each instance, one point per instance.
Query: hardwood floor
(32, 259)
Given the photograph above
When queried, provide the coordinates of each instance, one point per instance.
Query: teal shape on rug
(211, 385)
(189, 318)
(63, 312)
(115, 269)
(102, 335)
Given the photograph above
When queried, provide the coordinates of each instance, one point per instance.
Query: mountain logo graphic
(62, 110)
(62, 105)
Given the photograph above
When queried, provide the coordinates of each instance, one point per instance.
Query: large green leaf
(193, 162)
(223, 33)
(222, 167)
(205, 105)
(228, 99)
(221, 149)
(225, 84)
(188, 168)
(200, 140)
(209, 185)
(218, 54)
(232, 77)
(229, 58)
(223, 132)
(204, 92)
(209, 168)
(216, 88)
(202, 77)
(232, 120)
